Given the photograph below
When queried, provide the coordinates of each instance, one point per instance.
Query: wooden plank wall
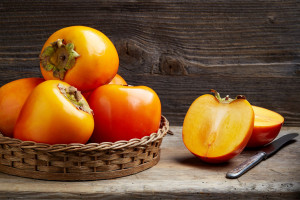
(181, 49)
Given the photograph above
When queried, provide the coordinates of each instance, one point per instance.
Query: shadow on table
(193, 161)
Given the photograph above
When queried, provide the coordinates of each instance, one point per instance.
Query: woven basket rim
(77, 147)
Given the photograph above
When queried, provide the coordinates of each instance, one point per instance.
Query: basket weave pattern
(90, 161)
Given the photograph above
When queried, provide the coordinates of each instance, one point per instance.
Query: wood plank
(178, 175)
(178, 48)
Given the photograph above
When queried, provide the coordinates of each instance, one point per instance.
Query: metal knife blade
(263, 154)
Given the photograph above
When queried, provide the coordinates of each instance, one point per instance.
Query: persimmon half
(216, 129)
(267, 125)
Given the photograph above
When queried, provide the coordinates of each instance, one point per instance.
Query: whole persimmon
(124, 112)
(118, 80)
(267, 125)
(12, 98)
(216, 129)
(55, 113)
(81, 56)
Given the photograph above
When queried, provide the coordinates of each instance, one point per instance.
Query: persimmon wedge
(216, 129)
(267, 125)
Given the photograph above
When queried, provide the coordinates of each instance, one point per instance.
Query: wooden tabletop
(178, 175)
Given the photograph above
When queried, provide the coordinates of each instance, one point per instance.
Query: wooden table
(178, 175)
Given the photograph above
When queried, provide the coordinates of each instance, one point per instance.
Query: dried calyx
(75, 97)
(59, 58)
(226, 99)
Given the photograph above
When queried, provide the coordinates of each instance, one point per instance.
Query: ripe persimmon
(81, 56)
(216, 129)
(12, 98)
(124, 112)
(267, 125)
(55, 113)
(118, 80)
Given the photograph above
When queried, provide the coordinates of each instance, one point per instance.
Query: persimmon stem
(59, 58)
(226, 99)
(75, 97)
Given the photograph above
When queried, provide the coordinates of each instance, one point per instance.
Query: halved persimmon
(267, 125)
(216, 129)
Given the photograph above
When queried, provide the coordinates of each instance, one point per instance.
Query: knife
(264, 154)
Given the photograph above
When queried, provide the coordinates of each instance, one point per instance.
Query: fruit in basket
(216, 129)
(116, 80)
(124, 112)
(267, 125)
(81, 56)
(55, 113)
(12, 98)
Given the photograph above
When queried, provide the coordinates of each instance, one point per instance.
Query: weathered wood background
(181, 49)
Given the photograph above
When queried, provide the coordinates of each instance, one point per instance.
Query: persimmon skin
(118, 80)
(216, 132)
(12, 98)
(124, 112)
(265, 128)
(98, 59)
(49, 117)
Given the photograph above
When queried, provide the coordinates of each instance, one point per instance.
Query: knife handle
(245, 166)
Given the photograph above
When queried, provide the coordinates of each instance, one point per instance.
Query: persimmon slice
(267, 125)
(216, 129)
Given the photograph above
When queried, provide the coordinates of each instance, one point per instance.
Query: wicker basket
(72, 162)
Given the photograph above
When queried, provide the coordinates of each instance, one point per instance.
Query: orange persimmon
(55, 113)
(124, 112)
(81, 56)
(117, 80)
(216, 129)
(12, 98)
(267, 125)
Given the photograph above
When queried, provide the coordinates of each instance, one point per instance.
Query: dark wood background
(181, 49)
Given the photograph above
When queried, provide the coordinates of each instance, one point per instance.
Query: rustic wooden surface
(178, 175)
(181, 49)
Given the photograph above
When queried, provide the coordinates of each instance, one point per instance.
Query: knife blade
(263, 154)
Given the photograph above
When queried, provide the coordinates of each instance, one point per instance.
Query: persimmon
(267, 125)
(124, 112)
(12, 98)
(81, 56)
(118, 80)
(216, 129)
(55, 113)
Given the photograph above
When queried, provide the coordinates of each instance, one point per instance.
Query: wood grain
(178, 175)
(181, 49)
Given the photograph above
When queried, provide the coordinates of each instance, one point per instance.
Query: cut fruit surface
(217, 130)
(267, 125)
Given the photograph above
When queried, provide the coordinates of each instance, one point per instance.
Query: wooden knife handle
(245, 166)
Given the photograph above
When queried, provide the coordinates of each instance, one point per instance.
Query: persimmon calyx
(59, 58)
(75, 97)
(226, 99)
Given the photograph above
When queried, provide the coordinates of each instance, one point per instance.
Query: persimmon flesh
(215, 129)
(267, 125)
